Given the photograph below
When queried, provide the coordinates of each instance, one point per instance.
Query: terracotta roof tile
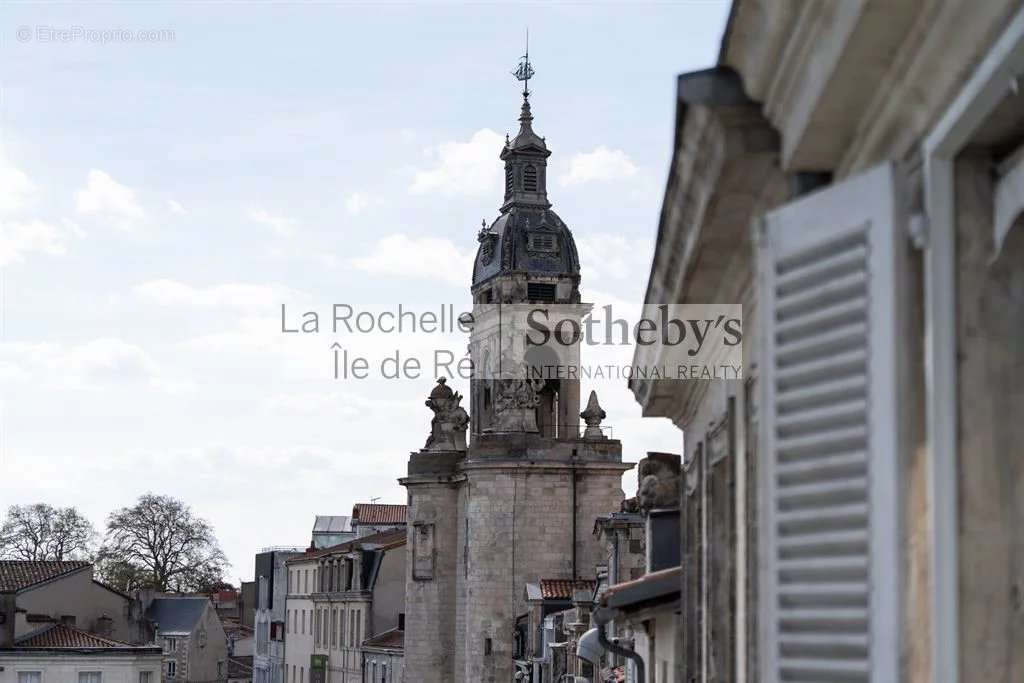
(562, 589)
(63, 636)
(16, 575)
(379, 513)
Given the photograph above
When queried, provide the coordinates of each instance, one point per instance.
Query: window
(146, 677)
(172, 669)
(90, 677)
(508, 180)
(305, 580)
(542, 241)
(334, 627)
(287, 616)
(530, 179)
(303, 621)
(220, 669)
(543, 292)
(170, 645)
(30, 677)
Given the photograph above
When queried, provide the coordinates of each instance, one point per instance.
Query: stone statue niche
(658, 477)
(448, 427)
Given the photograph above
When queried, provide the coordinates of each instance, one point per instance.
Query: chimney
(6, 620)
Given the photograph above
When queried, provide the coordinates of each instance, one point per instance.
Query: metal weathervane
(524, 72)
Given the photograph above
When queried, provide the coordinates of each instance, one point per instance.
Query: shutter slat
(829, 293)
(823, 443)
(821, 370)
(828, 268)
(843, 313)
(823, 344)
(822, 394)
(835, 416)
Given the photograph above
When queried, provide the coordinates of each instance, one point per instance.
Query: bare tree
(44, 532)
(160, 543)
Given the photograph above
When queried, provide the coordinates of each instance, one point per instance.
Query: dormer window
(530, 179)
(543, 241)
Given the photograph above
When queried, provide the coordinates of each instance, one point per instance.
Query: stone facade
(897, 119)
(517, 503)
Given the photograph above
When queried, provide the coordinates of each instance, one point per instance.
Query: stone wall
(430, 586)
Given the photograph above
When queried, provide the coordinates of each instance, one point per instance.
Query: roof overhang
(724, 170)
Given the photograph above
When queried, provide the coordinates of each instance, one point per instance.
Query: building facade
(850, 172)
(192, 638)
(301, 583)
(272, 581)
(66, 592)
(517, 503)
(66, 654)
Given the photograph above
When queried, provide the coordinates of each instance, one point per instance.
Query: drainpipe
(601, 618)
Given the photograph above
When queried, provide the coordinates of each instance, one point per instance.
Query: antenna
(374, 500)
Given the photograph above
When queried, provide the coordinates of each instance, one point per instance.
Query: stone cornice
(723, 172)
(534, 466)
(850, 83)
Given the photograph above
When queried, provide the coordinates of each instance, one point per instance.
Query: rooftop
(332, 524)
(16, 575)
(384, 540)
(62, 636)
(177, 614)
(378, 513)
(392, 640)
(558, 589)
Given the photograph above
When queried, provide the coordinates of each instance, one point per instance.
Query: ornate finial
(593, 416)
(524, 72)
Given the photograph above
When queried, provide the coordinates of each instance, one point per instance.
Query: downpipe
(614, 648)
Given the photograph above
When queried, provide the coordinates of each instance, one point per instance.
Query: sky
(171, 175)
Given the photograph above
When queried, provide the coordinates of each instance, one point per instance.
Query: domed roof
(527, 236)
(526, 239)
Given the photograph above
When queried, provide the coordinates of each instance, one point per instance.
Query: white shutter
(829, 285)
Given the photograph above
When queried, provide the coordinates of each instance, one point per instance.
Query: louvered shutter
(829, 285)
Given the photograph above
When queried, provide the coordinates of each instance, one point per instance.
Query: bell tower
(517, 502)
(527, 255)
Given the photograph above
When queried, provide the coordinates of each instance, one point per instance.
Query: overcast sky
(160, 200)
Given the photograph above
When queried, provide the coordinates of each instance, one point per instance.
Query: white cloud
(607, 256)
(471, 167)
(88, 365)
(104, 195)
(18, 238)
(279, 224)
(175, 207)
(242, 296)
(602, 165)
(429, 258)
(15, 187)
(356, 202)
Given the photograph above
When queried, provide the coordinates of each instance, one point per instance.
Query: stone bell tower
(517, 503)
